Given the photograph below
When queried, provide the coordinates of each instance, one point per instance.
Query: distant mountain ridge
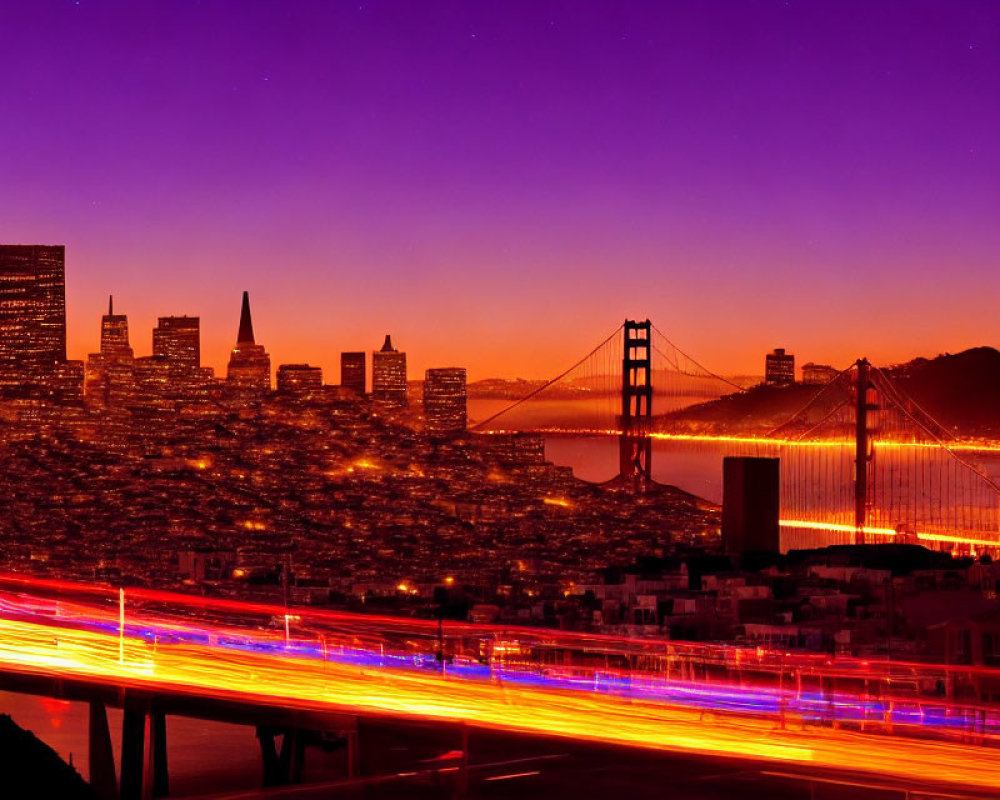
(961, 391)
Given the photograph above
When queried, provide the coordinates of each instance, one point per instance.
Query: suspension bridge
(861, 461)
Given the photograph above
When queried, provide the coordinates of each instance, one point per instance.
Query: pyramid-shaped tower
(249, 364)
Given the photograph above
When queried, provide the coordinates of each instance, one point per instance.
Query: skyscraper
(110, 374)
(174, 371)
(352, 372)
(249, 364)
(389, 374)
(32, 312)
(445, 401)
(779, 367)
(114, 333)
(178, 341)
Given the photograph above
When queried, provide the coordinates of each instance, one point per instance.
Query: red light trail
(80, 640)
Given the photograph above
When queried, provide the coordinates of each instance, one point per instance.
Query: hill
(961, 391)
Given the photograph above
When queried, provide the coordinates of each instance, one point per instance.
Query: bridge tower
(634, 445)
(862, 447)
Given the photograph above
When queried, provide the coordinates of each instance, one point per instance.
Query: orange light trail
(706, 438)
(321, 685)
(834, 527)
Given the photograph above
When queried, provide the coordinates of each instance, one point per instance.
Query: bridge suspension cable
(676, 349)
(548, 384)
(892, 475)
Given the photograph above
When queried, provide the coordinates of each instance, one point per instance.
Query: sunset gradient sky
(499, 184)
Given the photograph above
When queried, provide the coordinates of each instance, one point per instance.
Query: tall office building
(249, 364)
(114, 333)
(178, 341)
(389, 374)
(445, 401)
(779, 367)
(110, 374)
(32, 312)
(352, 372)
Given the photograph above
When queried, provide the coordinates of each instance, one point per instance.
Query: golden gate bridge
(861, 461)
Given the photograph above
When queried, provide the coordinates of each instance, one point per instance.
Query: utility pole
(121, 626)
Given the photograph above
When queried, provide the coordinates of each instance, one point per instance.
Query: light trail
(47, 598)
(305, 684)
(554, 704)
(707, 438)
(889, 533)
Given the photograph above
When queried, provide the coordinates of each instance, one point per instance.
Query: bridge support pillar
(144, 754)
(282, 765)
(156, 776)
(634, 445)
(862, 448)
(133, 750)
(100, 757)
(270, 774)
(353, 753)
(293, 755)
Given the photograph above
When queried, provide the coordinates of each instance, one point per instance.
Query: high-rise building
(249, 364)
(389, 374)
(779, 367)
(299, 379)
(352, 372)
(174, 371)
(114, 333)
(32, 312)
(155, 382)
(445, 400)
(178, 340)
(110, 374)
(65, 383)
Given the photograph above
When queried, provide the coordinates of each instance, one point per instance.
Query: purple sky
(499, 184)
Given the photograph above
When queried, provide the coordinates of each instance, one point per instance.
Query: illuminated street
(258, 672)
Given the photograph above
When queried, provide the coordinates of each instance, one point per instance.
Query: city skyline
(364, 165)
(466, 399)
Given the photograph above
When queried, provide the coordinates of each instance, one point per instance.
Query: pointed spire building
(249, 364)
(109, 376)
(245, 336)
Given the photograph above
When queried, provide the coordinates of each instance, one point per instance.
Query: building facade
(818, 374)
(445, 401)
(389, 375)
(178, 341)
(32, 312)
(299, 379)
(110, 374)
(779, 367)
(249, 364)
(352, 372)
